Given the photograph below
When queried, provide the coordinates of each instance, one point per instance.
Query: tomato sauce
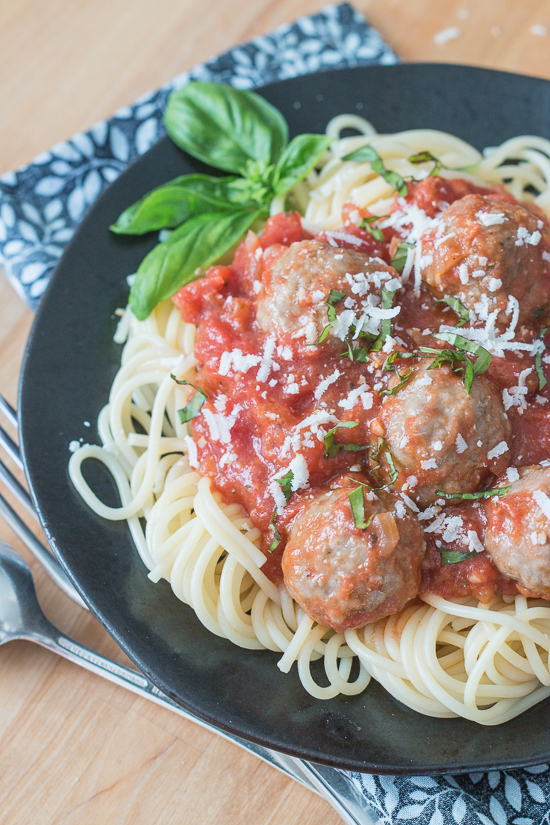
(263, 415)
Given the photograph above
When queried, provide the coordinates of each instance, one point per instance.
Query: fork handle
(51, 638)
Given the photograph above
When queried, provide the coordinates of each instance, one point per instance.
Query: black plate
(69, 366)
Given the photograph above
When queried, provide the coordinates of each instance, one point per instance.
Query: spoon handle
(50, 637)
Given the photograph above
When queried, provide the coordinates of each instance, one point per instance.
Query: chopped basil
(370, 155)
(286, 484)
(334, 298)
(426, 157)
(193, 407)
(538, 360)
(380, 453)
(455, 556)
(468, 369)
(385, 326)
(400, 258)
(276, 535)
(332, 448)
(456, 306)
(496, 491)
(389, 366)
(374, 231)
(358, 509)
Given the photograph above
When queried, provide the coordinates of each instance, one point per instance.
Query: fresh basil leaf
(463, 313)
(426, 157)
(174, 202)
(357, 503)
(225, 127)
(538, 361)
(173, 263)
(297, 161)
(370, 155)
(455, 556)
(400, 257)
(496, 491)
(276, 535)
(332, 448)
(286, 484)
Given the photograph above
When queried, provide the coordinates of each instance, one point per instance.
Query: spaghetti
(486, 661)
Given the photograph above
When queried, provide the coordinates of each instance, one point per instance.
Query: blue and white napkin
(42, 203)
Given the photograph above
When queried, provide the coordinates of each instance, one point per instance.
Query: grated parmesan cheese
(500, 449)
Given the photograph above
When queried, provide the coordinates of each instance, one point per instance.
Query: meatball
(518, 531)
(440, 437)
(343, 576)
(489, 247)
(296, 290)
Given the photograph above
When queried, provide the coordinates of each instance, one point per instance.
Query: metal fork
(334, 785)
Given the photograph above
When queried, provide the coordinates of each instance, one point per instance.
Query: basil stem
(426, 157)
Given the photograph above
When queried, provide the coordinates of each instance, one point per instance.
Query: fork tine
(10, 447)
(41, 554)
(9, 412)
(17, 489)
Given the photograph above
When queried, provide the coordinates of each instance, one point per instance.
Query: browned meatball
(518, 531)
(346, 577)
(490, 248)
(294, 296)
(440, 437)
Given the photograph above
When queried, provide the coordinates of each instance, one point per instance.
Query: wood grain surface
(74, 748)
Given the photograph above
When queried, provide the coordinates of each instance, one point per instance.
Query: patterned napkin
(40, 207)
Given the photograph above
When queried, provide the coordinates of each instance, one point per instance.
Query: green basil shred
(370, 155)
(357, 503)
(496, 491)
(193, 406)
(462, 312)
(455, 556)
(332, 447)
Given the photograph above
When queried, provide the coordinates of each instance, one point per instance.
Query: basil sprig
(285, 484)
(370, 155)
(400, 258)
(233, 130)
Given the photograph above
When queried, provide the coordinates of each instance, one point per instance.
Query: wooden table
(74, 748)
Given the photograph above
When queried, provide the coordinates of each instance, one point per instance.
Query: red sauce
(222, 304)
